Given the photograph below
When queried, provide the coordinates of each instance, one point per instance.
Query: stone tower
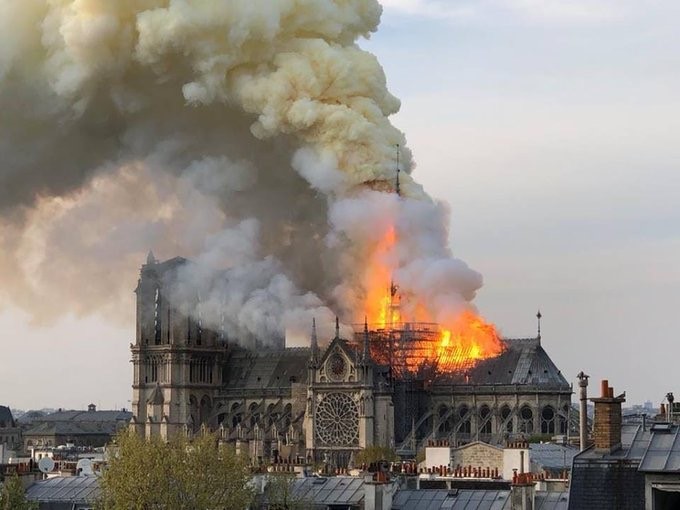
(176, 361)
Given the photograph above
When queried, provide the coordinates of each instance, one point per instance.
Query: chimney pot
(604, 386)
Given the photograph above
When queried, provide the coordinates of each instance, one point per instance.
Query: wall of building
(478, 455)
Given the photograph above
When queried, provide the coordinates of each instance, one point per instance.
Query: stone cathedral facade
(327, 401)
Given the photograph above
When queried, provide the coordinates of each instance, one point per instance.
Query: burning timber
(414, 350)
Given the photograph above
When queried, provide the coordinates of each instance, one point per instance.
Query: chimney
(607, 426)
(522, 492)
(583, 410)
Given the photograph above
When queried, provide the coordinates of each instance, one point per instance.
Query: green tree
(179, 474)
(13, 497)
(279, 494)
(372, 454)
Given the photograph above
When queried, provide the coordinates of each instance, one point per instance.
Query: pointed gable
(338, 363)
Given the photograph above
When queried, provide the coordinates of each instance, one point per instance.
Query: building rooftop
(266, 368)
(6, 418)
(524, 361)
(337, 490)
(552, 456)
(463, 499)
(70, 489)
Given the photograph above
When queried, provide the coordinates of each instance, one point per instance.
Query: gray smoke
(252, 137)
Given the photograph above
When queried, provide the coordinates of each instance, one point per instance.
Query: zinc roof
(663, 452)
(435, 499)
(337, 490)
(75, 489)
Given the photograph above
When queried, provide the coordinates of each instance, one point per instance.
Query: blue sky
(551, 128)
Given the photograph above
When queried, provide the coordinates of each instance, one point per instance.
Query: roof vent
(662, 427)
(452, 493)
(319, 480)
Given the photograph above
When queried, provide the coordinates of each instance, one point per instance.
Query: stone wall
(478, 455)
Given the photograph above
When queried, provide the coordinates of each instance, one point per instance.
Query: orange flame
(462, 341)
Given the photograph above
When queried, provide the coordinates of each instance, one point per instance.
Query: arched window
(157, 317)
(464, 425)
(205, 410)
(564, 419)
(445, 424)
(526, 422)
(548, 420)
(506, 417)
(485, 420)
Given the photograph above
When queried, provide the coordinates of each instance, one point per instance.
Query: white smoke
(250, 136)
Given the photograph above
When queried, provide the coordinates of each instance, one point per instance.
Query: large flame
(459, 342)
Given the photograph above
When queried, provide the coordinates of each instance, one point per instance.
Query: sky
(551, 129)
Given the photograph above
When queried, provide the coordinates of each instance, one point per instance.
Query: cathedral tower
(176, 361)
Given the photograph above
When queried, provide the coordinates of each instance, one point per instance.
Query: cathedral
(325, 402)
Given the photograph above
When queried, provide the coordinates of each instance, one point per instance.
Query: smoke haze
(251, 137)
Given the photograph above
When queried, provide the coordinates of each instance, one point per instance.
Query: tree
(180, 474)
(372, 454)
(13, 497)
(279, 493)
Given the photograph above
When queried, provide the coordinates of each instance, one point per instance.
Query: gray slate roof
(552, 456)
(524, 361)
(6, 419)
(71, 489)
(266, 368)
(79, 423)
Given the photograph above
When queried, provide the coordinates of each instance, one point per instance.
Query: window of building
(465, 426)
(485, 420)
(548, 420)
(526, 424)
(157, 317)
(506, 418)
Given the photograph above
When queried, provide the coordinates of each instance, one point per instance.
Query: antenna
(84, 467)
(46, 465)
(398, 171)
(538, 316)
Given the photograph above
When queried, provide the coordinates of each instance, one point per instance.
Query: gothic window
(465, 426)
(336, 367)
(548, 420)
(485, 420)
(445, 422)
(506, 417)
(337, 420)
(152, 365)
(526, 424)
(564, 417)
(205, 410)
(201, 370)
(157, 317)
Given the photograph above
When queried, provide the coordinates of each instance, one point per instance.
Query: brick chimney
(607, 426)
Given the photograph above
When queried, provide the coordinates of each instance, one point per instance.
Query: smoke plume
(250, 136)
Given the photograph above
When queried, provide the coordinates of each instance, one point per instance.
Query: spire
(150, 259)
(398, 188)
(538, 316)
(367, 351)
(337, 327)
(314, 344)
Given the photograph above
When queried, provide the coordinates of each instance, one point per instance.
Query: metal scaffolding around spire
(398, 187)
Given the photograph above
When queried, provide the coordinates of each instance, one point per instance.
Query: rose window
(337, 367)
(337, 420)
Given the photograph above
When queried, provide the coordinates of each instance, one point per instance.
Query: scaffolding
(414, 351)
